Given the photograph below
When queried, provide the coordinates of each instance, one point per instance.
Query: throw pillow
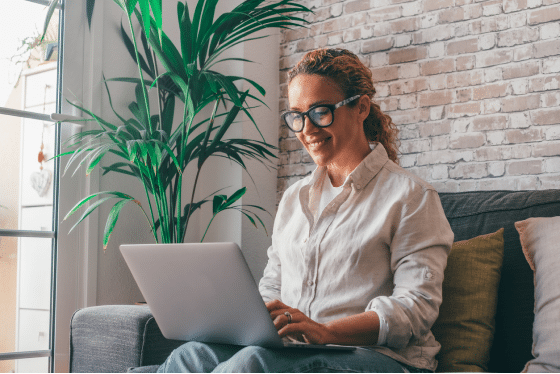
(539, 240)
(466, 322)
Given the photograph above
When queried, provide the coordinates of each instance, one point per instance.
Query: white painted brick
(378, 59)
(407, 161)
(411, 70)
(412, 9)
(436, 112)
(492, 106)
(429, 20)
(380, 3)
(440, 142)
(336, 10)
(502, 22)
(552, 133)
(334, 39)
(462, 30)
(367, 31)
(552, 165)
(534, 3)
(550, 99)
(440, 172)
(519, 120)
(497, 184)
(460, 125)
(492, 74)
(550, 30)
(496, 169)
(495, 137)
(436, 49)
(382, 29)
(402, 40)
(437, 82)
(526, 183)
(549, 181)
(487, 41)
(519, 86)
(492, 10)
(551, 65)
(467, 185)
(382, 90)
(517, 19)
(407, 102)
(523, 53)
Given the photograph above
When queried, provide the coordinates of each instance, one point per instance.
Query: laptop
(205, 292)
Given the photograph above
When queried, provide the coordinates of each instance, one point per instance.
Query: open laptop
(205, 292)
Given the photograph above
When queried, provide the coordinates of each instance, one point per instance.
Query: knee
(249, 359)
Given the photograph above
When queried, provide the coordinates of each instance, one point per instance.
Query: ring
(287, 314)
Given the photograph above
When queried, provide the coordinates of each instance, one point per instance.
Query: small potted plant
(155, 147)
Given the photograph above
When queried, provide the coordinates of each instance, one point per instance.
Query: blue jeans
(195, 357)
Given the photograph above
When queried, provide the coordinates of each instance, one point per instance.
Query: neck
(340, 169)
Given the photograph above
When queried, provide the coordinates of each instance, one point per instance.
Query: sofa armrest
(113, 338)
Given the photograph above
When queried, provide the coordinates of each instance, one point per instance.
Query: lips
(316, 143)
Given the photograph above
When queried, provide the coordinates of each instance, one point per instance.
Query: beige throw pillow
(540, 240)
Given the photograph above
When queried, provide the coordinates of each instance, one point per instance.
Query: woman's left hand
(300, 325)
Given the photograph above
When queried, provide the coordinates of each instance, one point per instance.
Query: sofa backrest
(481, 212)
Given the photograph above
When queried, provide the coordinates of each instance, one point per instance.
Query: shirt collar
(364, 172)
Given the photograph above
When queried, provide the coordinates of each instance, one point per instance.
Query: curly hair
(353, 78)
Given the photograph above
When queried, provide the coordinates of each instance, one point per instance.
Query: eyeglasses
(321, 115)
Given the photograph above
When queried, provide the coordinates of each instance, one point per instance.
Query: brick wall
(472, 85)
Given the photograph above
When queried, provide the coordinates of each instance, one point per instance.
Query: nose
(308, 125)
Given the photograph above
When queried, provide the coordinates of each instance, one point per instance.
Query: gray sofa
(114, 338)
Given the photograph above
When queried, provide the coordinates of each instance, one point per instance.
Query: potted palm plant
(155, 146)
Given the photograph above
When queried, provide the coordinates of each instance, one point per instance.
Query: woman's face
(338, 143)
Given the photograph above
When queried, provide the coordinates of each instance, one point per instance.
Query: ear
(364, 105)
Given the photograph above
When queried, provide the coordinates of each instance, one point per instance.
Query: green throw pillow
(466, 322)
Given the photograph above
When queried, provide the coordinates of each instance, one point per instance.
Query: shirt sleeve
(419, 249)
(270, 283)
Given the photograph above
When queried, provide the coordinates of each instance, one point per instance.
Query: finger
(280, 321)
(275, 305)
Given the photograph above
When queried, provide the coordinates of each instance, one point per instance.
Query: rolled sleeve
(270, 283)
(419, 251)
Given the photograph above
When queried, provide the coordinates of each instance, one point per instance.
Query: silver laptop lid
(203, 292)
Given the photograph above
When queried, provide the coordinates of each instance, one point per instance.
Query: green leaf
(217, 203)
(112, 221)
(235, 196)
(185, 27)
(90, 210)
(145, 9)
(89, 11)
(50, 12)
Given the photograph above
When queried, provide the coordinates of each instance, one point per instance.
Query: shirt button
(358, 186)
(305, 240)
(310, 283)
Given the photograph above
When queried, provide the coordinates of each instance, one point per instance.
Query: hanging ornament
(41, 180)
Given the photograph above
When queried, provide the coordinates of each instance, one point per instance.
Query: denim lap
(221, 358)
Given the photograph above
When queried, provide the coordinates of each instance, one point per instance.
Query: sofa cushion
(112, 338)
(539, 240)
(481, 212)
(465, 326)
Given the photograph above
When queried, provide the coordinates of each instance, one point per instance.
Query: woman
(359, 247)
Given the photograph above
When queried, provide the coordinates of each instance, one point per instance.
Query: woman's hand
(301, 327)
(358, 329)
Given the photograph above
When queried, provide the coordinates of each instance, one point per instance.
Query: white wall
(114, 282)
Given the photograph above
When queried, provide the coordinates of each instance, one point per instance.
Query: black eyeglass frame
(331, 107)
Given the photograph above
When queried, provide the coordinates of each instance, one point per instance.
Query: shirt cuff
(383, 330)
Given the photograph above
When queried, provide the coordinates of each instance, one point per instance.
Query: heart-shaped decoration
(41, 181)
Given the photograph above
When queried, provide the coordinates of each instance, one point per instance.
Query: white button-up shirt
(381, 245)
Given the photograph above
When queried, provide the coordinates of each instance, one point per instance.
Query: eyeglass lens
(320, 116)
